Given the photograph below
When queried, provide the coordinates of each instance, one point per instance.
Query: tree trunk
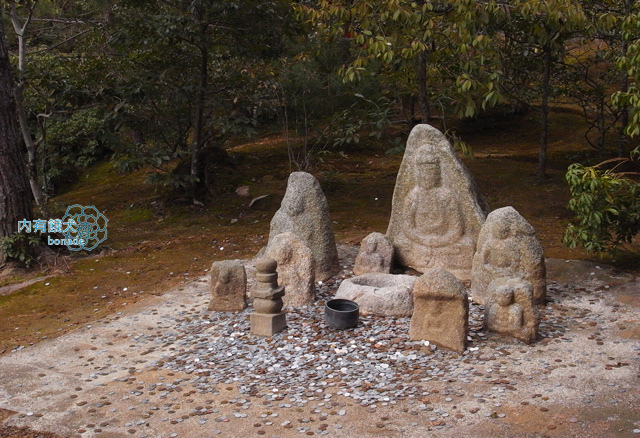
(32, 170)
(31, 145)
(15, 202)
(544, 114)
(423, 97)
(198, 124)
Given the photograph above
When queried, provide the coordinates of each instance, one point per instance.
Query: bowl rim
(327, 306)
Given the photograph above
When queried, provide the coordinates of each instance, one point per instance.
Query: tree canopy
(166, 85)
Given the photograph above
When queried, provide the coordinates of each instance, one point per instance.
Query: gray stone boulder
(510, 309)
(508, 247)
(228, 282)
(379, 294)
(440, 310)
(305, 213)
(295, 269)
(375, 255)
(436, 212)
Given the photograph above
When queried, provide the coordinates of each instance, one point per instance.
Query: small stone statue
(440, 310)
(508, 247)
(268, 317)
(228, 286)
(510, 309)
(375, 255)
(295, 269)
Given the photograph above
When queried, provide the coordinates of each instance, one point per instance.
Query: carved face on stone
(504, 297)
(428, 166)
(225, 276)
(371, 246)
(501, 231)
(286, 253)
(293, 203)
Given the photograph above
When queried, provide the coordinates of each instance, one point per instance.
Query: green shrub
(606, 205)
(20, 248)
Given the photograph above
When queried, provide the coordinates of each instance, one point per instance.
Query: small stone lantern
(268, 318)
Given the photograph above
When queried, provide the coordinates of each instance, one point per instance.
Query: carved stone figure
(440, 310)
(510, 309)
(508, 247)
(295, 269)
(305, 213)
(228, 286)
(436, 211)
(375, 255)
(268, 317)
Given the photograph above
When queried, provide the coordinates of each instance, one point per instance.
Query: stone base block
(263, 324)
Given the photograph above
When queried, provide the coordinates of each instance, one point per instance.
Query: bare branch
(59, 20)
(30, 16)
(15, 20)
(63, 42)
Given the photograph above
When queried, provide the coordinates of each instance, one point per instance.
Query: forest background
(168, 88)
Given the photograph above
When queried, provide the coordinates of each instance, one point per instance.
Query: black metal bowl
(341, 314)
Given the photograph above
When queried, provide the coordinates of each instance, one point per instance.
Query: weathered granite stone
(436, 211)
(508, 247)
(267, 302)
(440, 310)
(375, 255)
(228, 286)
(510, 309)
(295, 269)
(304, 212)
(379, 294)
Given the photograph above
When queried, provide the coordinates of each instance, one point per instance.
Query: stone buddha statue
(433, 217)
(436, 211)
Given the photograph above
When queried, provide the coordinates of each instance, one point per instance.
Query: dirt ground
(131, 373)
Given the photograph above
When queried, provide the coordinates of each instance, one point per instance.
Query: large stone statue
(305, 213)
(295, 269)
(508, 247)
(436, 210)
(510, 309)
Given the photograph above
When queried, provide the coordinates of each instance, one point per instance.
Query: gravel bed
(175, 369)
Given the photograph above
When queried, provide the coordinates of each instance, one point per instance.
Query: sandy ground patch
(167, 367)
